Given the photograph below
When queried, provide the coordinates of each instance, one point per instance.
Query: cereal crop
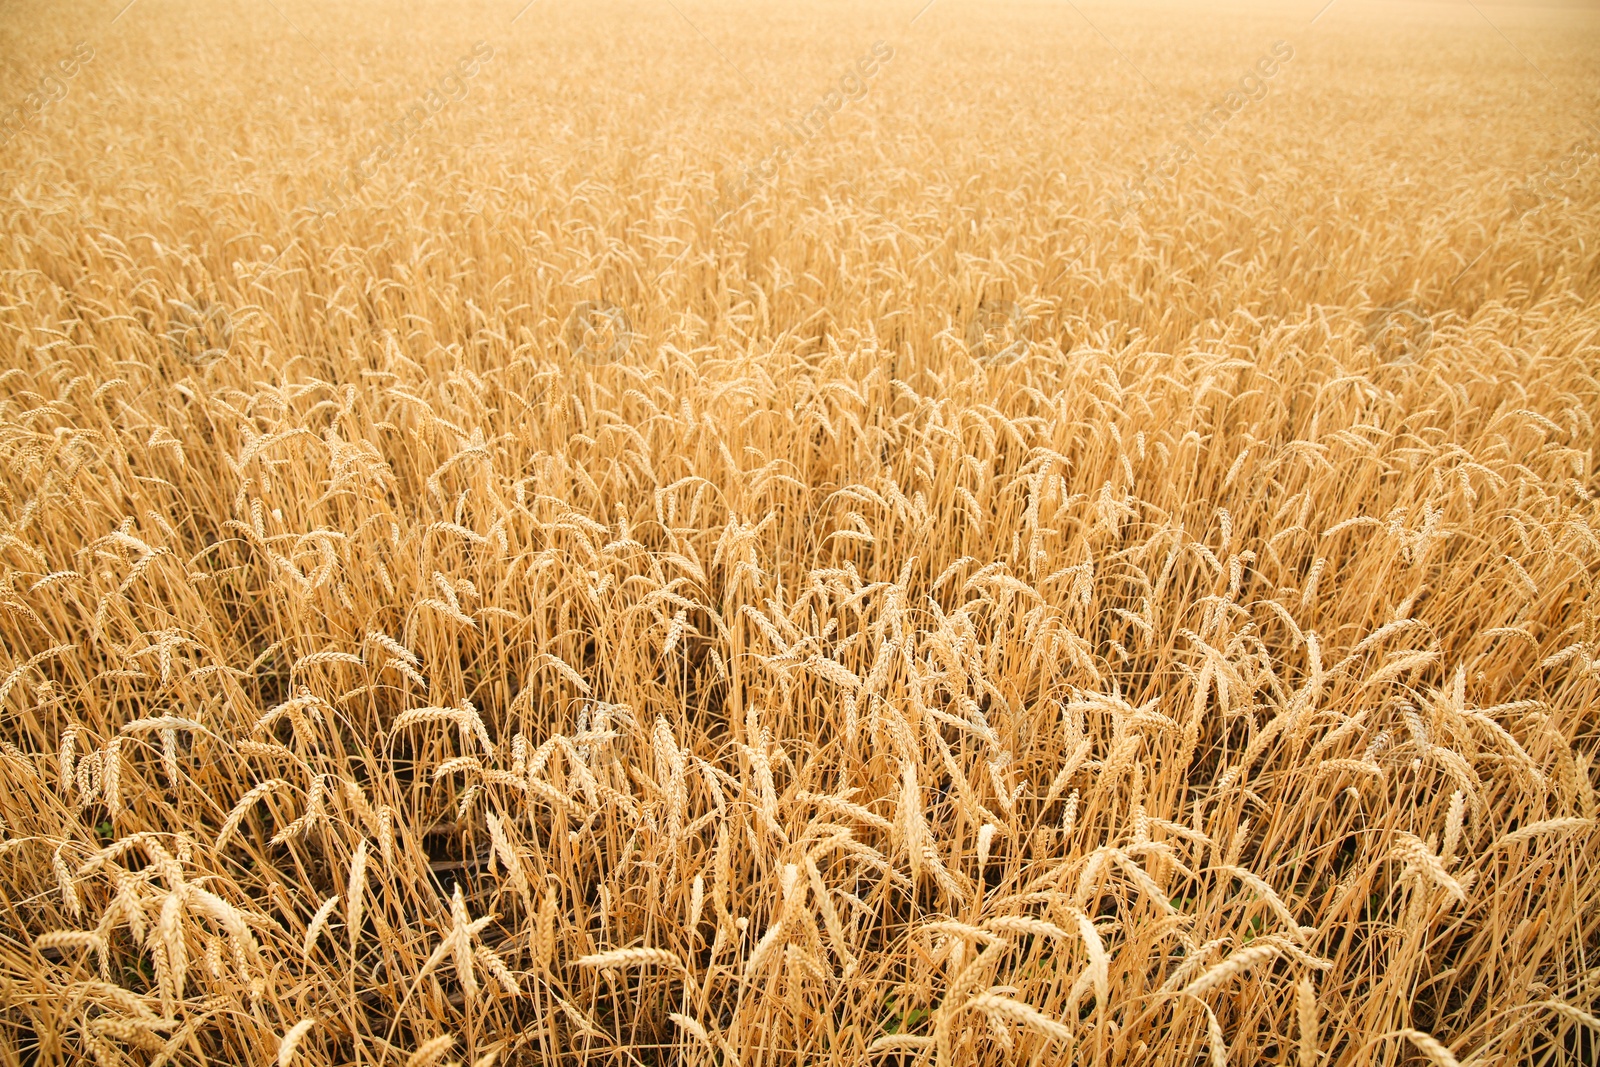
(677, 532)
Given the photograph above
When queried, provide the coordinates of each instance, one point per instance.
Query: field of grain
(682, 532)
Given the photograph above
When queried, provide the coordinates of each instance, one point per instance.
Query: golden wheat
(955, 534)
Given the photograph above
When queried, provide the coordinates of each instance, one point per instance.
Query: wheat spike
(431, 1051)
(631, 957)
(291, 1040)
(1306, 1010)
(318, 921)
(230, 825)
(1430, 1047)
(1240, 961)
(994, 1003)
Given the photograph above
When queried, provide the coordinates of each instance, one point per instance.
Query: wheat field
(681, 532)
